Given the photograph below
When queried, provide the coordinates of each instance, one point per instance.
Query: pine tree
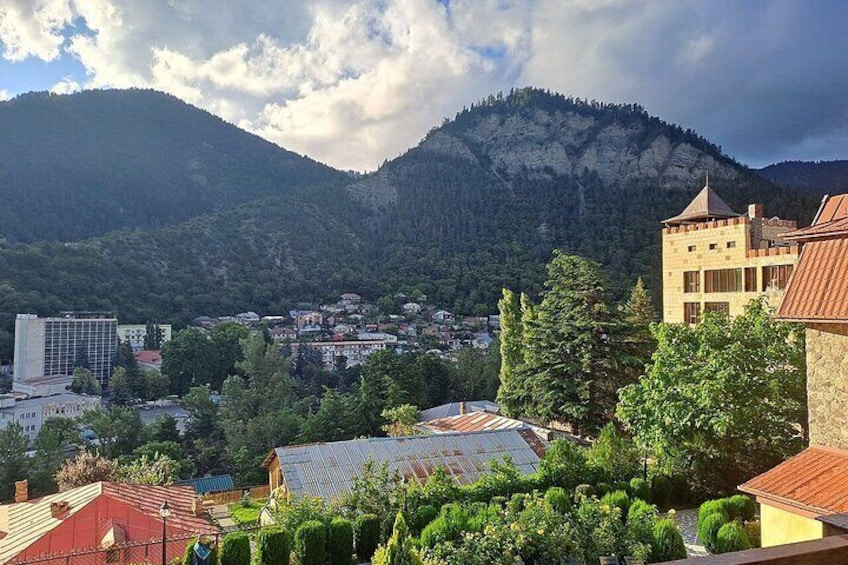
(639, 309)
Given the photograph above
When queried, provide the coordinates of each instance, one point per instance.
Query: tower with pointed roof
(717, 259)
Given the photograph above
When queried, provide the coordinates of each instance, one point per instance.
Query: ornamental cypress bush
(558, 499)
(582, 492)
(617, 499)
(732, 537)
(340, 541)
(668, 542)
(602, 488)
(424, 514)
(661, 488)
(709, 527)
(640, 509)
(310, 543)
(639, 488)
(719, 505)
(742, 507)
(188, 556)
(366, 535)
(273, 546)
(235, 549)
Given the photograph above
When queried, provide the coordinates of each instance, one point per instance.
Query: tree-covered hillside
(83, 165)
(819, 177)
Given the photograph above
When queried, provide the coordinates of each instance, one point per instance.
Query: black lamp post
(164, 513)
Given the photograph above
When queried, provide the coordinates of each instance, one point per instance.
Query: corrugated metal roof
(327, 470)
(815, 481)
(818, 288)
(218, 483)
(473, 422)
(24, 523)
(455, 408)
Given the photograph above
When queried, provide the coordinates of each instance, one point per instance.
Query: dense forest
(820, 177)
(216, 221)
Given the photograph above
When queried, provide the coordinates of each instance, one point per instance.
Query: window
(714, 246)
(723, 307)
(691, 248)
(691, 281)
(776, 277)
(731, 244)
(723, 280)
(691, 311)
(750, 279)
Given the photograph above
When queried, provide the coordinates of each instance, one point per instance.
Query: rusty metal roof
(814, 481)
(327, 470)
(24, 523)
(818, 288)
(472, 422)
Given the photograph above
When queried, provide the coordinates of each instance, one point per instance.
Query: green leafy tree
(164, 428)
(84, 469)
(615, 454)
(335, 419)
(399, 549)
(156, 470)
(723, 400)
(512, 356)
(14, 465)
(120, 392)
(189, 359)
(477, 373)
(173, 450)
(574, 353)
(84, 382)
(119, 430)
(156, 385)
(56, 437)
(402, 420)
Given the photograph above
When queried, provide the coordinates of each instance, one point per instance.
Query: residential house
(482, 421)
(411, 308)
(101, 516)
(350, 298)
(353, 352)
(282, 334)
(303, 318)
(150, 359)
(327, 470)
(715, 259)
(443, 316)
(135, 334)
(806, 497)
(247, 318)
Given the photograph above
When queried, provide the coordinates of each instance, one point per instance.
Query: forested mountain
(79, 166)
(479, 204)
(819, 177)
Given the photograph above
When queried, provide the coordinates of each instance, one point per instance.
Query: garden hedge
(310, 543)
(558, 499)
(366, 534)
(668, 542)
(235, 549)
(709, 527)
(340, 541)
(732, 537)
(273, 546)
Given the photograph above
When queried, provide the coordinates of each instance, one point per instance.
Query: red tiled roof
(818, 289)
(149, 356)
(148, 499)
(814, 481)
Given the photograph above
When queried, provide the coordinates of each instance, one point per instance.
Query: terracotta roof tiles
(814, 481)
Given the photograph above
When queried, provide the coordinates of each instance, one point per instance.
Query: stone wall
(827, 384)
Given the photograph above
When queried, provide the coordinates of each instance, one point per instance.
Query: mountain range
(136, 202)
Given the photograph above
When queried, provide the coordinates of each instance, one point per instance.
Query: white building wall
(29, 347)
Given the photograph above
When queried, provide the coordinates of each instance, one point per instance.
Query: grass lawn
(244, 515)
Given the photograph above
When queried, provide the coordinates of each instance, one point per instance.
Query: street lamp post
(164, 513)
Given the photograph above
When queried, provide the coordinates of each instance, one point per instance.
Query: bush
(434, 533)
(623, 485)
(310, 543)
(235, 549)
(366, 534)
(742, 507)
(752, 528)
(582, 492)
(731, 537)
(188, 556)
(273, 546)
(639, 488)
(564, 465)
(616, 454)
(640, 509)
(558, 499)
(602, 488)
(424, 514)
(340, 541)
(668, 543)
(661, 489)
(711, 507)
(452, 521)
(618, 499)
(709, 527)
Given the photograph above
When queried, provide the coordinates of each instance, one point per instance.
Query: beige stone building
(806, 497)
(715, 259)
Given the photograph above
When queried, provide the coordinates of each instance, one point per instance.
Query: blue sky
(353, 83)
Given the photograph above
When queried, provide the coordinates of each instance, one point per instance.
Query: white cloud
(4, 95)
(352, 82)
(65, 86)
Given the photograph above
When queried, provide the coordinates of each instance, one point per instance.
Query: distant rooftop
(456, 408)
(706, 206)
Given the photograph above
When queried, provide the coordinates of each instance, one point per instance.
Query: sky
(353, 83)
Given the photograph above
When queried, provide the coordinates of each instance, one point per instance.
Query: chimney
(755, 211)
(59, 509)
(21, 491)
(462, 407)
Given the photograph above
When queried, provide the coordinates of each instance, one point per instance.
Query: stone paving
(687, 520)
(221, 514)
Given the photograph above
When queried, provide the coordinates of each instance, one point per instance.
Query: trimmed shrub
(235, 549)
(752, 528)
(340, 541)
(668, 543)
(731, 537)
(273, 546)
(711, 507)
(741, 506)
(434, 533)
(661, 488)
(640, 509)
(310, 543)
(188, 556)
(366, 534)
(558, 499)
(639, 488)
(709, 527)
(582, 492)
(618, 499)
(602, 488)
(424, 514)
(623, 485)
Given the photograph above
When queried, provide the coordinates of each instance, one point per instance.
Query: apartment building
(715, 259)
(354, 352)
(135, 334)
(46, 347)
(31, 413)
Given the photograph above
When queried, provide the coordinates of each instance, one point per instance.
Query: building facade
(46, 347)
(135, 334)
(31, 413)
(353, 352)
(717, 260)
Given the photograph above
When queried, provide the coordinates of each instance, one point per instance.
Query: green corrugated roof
(218, 483)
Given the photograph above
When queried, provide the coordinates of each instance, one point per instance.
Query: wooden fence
(226, 497)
